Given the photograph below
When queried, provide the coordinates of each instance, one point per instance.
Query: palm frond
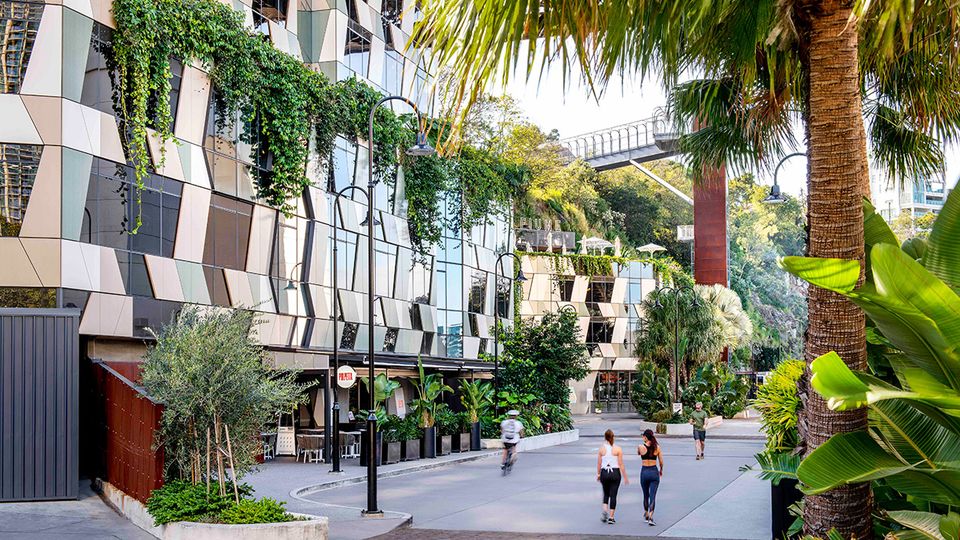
(901, 148)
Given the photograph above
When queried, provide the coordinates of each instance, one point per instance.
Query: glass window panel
(147, 240)
(105, 214)
(454, 299)
(20, 22)
(228, 232)
(18, 170)
(217, 286)
(28, 297)
(97, 91)
(478, 291)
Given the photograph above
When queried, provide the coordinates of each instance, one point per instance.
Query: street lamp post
(775, 196)
(420, 149)
(676, 292)
(336, 305)
(496, 324)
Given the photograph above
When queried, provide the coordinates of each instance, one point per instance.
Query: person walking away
(699, 418)
(610, 470)
(510, 431)
(650, 453)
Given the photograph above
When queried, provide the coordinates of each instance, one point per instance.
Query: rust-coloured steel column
(710, 228)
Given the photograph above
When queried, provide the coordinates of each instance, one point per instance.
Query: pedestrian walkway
(293, 482)
(553, 491)
(629, 424)
(87, 518)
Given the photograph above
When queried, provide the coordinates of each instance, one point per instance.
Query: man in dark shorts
(699, 418)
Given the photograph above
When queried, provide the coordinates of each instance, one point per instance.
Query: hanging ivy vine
(287, 104)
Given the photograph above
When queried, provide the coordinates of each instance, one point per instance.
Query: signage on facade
(685, 233)
(677, 407)
(346, 377)
(400, 402)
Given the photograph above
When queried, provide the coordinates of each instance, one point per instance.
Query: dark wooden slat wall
(125, 428)
(39, 372)
(710, 228)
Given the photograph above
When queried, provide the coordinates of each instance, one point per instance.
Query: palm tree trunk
(837, 169)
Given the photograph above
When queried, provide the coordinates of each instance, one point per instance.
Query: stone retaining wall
(538, 441)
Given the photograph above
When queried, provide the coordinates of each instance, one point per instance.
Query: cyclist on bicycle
(510, 431)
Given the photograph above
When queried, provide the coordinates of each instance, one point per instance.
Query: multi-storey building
(67, 204)
(919, 197)
(608, 308)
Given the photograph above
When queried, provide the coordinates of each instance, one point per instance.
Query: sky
(575, 111)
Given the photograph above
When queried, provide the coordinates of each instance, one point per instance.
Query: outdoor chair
(269, 444)
(349, 445)
(310, 448)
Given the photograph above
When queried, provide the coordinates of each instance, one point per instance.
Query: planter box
(444, 445)
(136, 512)
(538, 441)
(464, 442)
(681, 429)
(315, 527)
(475, 437)
(410, 450)
(428, 444)
(391, 452)
(783, 495)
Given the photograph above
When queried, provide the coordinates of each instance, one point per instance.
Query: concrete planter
(444, 445)
(391, 452)
(411, 450)
(538, 441)
(675, 430)
(464, 442)
(312, 528)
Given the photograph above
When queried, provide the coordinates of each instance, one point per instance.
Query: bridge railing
(616, 139)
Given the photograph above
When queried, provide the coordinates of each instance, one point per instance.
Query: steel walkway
(619, 146)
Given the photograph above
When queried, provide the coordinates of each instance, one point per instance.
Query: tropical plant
(735, 325)
(476, 398)
(778, 402)
(718, 388)
(447, 421)
(651, 389)
(913, 443)
(761, 60)
(528, 405)
(683, 315)
(542, 356)
(209, 371)
(383, 389)
(429, 389)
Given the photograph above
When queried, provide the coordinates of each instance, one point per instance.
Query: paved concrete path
(87, 518)
(554, 491)
(628, 424)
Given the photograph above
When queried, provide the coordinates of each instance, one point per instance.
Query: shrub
(447, 422)
(718, 388)
(778, 402)
(558, 416)
(651, 389)
(662, 417)
(182, 501)
(264, 510)
(392, 429)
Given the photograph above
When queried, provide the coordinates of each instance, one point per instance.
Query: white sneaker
(604, 517)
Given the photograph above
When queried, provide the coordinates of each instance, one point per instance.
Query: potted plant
(465, 431)
(383, 388)
(447, 427)
(477, 399)
(392, 434)
(410, 435)
(425, 407)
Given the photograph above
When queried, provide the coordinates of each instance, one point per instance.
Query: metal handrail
(617, 139)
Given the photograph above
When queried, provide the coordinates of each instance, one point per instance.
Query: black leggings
(610, 480)
(649, 482)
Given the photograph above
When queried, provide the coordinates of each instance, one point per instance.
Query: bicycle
(507, 466)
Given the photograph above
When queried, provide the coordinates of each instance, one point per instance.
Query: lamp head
(520, 276)
(290, 286)
(365, 222)
(422, 148)
(775, 196)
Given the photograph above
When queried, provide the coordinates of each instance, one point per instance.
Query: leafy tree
(209, 372)
(429, 389)
(542, 356)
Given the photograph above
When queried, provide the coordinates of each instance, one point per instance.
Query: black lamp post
(775, 196)
(335, 411)
(496, 324)
(676, 292)
(420, 149)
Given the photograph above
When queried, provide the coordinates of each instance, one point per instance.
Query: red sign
(346, 377)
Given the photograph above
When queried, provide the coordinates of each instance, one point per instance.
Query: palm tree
(811, 56)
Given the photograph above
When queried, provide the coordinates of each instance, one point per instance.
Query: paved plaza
(554, 491)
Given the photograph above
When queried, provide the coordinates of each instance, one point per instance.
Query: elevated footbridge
(640, 141)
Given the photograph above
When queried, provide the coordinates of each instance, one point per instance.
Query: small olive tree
(208, 371)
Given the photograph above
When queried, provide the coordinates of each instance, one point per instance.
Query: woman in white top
(610, 470)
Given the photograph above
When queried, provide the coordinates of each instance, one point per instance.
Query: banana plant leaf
(942, 257)
(775, 466)
(941, 486)
(845, 459)
(916, 248)
(911, 307)
(921, 525)
(875, 231)
(915, 437)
